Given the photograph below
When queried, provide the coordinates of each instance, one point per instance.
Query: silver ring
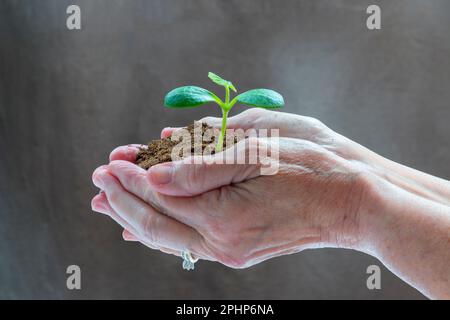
(188, 260)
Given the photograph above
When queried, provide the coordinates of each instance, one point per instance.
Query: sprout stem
(225, 109)
(219, 144)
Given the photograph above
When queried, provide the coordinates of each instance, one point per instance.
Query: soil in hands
(160, 151)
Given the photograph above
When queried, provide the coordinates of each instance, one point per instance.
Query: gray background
(67, 98)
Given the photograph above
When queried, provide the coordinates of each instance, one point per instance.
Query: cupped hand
(230, 212)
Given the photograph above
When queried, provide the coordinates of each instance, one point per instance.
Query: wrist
(350, 217)
(389, 191)
(356, 218)
(373, 213)
(407, 179)
(389, 207)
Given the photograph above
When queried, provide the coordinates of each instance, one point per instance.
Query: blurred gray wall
(67, 98)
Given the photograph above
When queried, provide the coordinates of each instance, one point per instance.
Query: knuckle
(254, 112)
(314, 122)
(207, 119)
(212, 121)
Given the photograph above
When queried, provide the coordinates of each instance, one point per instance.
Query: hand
(329, 191)
(232, 214)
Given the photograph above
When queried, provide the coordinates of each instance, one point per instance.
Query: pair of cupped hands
(232, 214)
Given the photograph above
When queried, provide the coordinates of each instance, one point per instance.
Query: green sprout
(192, 96)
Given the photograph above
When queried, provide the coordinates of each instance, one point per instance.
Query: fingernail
(161, 174)
(97, 205)
(99, 176)
(166, 132)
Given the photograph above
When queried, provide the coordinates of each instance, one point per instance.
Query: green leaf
(189, 96)
(221, 82)
(262, 98)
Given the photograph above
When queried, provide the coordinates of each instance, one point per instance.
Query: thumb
(196, 175)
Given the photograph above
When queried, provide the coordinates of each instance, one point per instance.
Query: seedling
(192, 96)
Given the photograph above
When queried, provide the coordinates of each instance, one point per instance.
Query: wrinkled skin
(325, 194)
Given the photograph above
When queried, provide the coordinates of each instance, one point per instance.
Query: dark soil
(160, 151)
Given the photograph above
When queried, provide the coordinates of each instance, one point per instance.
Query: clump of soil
(160, 151)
